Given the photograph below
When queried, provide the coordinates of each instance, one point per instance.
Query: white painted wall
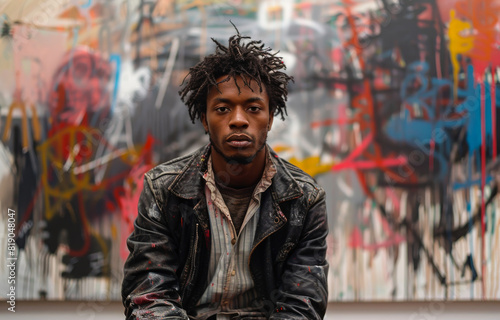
(345, 311)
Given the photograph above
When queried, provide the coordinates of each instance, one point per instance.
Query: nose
(238, 119)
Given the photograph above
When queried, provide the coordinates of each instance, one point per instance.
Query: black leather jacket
(166, 272)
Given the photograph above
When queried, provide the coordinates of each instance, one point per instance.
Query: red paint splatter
(365, 165)
(207, 238)
(356, 240)
(145, 299)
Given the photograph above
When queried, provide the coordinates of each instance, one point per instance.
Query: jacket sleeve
(303, 293)
(150, 288)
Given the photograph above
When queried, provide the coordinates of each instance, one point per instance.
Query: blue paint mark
(493, 218)
(385, 55)
(420, 132)
(117, 60)
(472, 106)
(469, 264)
(487, 113)
(418, 71)
(87, 5)
(469, 184)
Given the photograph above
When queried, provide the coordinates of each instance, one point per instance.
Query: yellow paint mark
(68, 184)
(114, 232)
(312, 165)
(281, 148)
(459, 44)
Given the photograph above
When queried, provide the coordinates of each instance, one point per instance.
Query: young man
(231, 231)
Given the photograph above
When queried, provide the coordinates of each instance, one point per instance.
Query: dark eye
(222, 109)
(254, 108)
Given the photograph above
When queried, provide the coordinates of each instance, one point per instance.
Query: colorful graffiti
(393, 110)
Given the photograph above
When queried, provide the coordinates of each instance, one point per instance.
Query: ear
(204, 122)
(270, 124)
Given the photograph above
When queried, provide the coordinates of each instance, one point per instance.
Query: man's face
(237, 122)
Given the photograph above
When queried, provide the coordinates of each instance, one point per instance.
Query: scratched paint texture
(393, 111)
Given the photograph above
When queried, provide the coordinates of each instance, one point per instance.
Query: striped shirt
(230, 290)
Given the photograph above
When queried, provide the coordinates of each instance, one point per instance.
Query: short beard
(237, 159)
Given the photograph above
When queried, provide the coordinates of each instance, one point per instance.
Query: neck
(236, 175)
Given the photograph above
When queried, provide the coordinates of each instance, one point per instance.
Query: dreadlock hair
(250, 61)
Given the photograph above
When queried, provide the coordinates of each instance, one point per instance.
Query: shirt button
(233, 241)
(233, 273)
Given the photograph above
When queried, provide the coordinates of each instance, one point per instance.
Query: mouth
(239, 140)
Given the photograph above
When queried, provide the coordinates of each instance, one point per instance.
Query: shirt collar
(262, 185)
(189, 182)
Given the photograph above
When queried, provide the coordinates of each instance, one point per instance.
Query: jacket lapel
(283, 188)
(189, 184)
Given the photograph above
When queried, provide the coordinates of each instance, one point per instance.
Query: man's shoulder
(307, 183)
(173, 167)
(298, 173)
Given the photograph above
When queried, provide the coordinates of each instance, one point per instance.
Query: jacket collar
(285, 187)
(189, 184)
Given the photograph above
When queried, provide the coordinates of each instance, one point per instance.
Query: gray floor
(28, 310)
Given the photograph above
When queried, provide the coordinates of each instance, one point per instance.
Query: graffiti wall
(393, 110)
